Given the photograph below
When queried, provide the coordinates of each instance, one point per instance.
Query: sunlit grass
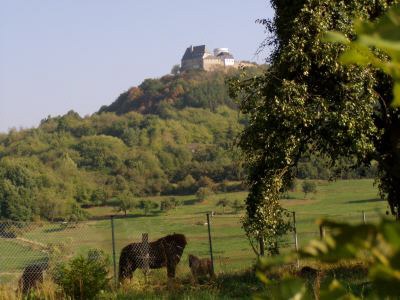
(340, 200)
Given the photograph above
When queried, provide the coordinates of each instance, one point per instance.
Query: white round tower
(219, 50)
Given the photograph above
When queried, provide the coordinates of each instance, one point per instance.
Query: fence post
(363, 217)
(321, 232)
(210, 242)
(296, 243)
(113, 250)
(145, 254)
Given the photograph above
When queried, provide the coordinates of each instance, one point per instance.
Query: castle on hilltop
(198, 57)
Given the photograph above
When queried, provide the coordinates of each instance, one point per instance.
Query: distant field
(340, 200)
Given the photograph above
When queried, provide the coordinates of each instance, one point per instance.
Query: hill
(196, 89)
(168, 136)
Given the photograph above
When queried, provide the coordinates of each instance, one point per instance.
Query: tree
(168, 204)
(126, 202)
(83, 277)
(202, 193)
(290, 186)
(187, 185)
(205, 181)
(224, 202)
(308, 187)
(176, 69)
(382, 34)
(237, 206)
(174, 202)
(147, 205)
(308, 102)
(165, 205)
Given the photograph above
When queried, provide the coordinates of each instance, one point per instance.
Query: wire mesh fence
(32, 247)
(145, 248)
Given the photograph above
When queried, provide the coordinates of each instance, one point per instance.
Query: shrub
(309, 187)
(224, 202)
(237, 206)
(168, 204)
(147, 205)
(126, 202)
(202, 193)
(83, 277)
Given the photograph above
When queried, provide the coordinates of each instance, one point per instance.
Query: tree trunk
(389, 162)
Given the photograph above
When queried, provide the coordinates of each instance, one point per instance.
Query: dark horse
(32, 277)
(164, 252)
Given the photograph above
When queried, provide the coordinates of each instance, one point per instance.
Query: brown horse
(201, 267)
(164, 252)
(31, 278)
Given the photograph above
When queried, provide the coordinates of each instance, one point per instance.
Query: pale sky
(58, 55)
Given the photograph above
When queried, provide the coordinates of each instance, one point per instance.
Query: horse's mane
(176, 238)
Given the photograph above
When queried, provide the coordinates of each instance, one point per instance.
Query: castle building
(198, 57)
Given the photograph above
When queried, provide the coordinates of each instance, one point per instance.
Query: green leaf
(334, 37)
(336, 291)
(396, 94)
(391, 233)
(386, 280)
(356, 55)
(289, 288)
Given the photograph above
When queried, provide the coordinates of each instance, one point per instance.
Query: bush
(309, 187)
(224, 202)
(147, 205)
(237, 206)
(126, 202)
(202, 193)
(168, 204)
(83, 277)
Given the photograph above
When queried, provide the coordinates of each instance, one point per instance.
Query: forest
(168, 136)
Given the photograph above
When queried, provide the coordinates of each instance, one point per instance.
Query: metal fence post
(113, 250)
(210, 242)
(145, 248)
(296, 243)
(321, 231)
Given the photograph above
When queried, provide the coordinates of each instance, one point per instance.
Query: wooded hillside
(171, 135)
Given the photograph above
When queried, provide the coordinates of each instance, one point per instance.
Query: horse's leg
(171, 267)
(123, 273)
(127, 267)
(132, 269)
(123, 268)
(171, 276)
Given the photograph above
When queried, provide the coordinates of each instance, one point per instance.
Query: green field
(340, 200)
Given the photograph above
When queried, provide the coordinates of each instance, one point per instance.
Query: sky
(61, 55)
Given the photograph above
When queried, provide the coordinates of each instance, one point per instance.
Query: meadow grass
(339, 200)
(236, 285)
